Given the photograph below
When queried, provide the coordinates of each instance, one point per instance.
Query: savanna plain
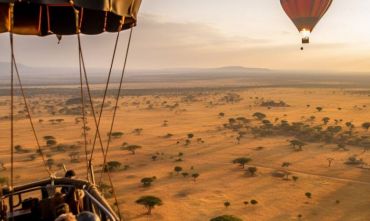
(265, 153)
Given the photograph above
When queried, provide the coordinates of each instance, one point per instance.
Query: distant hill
(40, 75)
(239, 74)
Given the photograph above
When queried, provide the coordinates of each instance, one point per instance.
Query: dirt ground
(339, 192)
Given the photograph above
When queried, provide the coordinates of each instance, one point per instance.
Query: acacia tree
(366, 126)
(149, 202)
(242, 161)
(297, 144)
(326, 120)
(330, 161)
(259, 115)
(131, 148)
(195, 176)
(177, 169)
(147, 181)
(252, 170)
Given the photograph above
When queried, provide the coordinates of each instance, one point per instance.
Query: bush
(50, 143)
(3, 181)
(131, 148)
(226, 218)
(308, 195)
(116, 135)
(254, 202)
(227, 204)
(112, 166)
(177, 169)
(147, 181)
(352, 160)
(252, 170)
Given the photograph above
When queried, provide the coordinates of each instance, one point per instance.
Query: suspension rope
(95, 120)
(84, 119)
(93, 110)
(48, 170)
(105, 92)
(116, 104)
(11, 100)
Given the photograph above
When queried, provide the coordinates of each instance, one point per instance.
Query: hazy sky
(213, 33)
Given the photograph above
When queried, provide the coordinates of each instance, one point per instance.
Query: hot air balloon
(42, 199)
(45, 17)
(305, 14)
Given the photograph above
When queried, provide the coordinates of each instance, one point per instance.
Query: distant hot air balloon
(305, 14)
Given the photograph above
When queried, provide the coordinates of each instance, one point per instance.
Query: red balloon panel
(305, 14)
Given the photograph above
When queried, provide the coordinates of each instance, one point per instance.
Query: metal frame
(89, 189)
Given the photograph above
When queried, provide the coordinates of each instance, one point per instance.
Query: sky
(216, 33)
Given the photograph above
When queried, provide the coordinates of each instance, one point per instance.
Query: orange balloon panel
(305, 14)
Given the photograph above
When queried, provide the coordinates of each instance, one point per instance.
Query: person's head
(70, 174)
(62, 208)
(87, 216)
(66, 217)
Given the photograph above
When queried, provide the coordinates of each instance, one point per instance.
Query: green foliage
(254, 202)
(147, 181)
(242, 161)
(326, 120)
(177, 169)
(50, 143)
(3, 180)
(20, 149)
(131, 148)
(112, 166)
(50, 162)
(366, 126)
(227, 204)
(297, 144)
(226, 218)
(149, 202)
(252, 170)
(48, 137)
(116, 134)
(259, 115)
(308, 195)
(353, 160)
(195, 176)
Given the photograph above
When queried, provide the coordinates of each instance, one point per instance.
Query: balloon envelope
(45, 17)
(305, 14)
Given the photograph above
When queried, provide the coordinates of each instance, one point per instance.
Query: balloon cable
(95, 119)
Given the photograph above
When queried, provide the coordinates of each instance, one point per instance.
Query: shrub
(226, 218)
(131, 148)
(308, 195)
(252, 170)
(195, 176)
(112, 166)
(177, 169)
(227, 204)
(147, 181)
(50, 143)
(254, 202)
